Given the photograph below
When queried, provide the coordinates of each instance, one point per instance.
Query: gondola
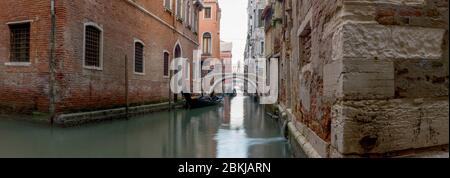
(203, 101)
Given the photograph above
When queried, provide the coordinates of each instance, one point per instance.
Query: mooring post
(170, 91)
(52, 64)
(126, 88)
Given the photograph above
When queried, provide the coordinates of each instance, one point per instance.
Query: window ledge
(137, 73)
(166, 77)
(93, 68)
(18, 64)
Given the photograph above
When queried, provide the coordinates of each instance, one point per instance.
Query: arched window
(93, 47)
(207, 40)
(138, 57)
(166, 63)
(178, 51)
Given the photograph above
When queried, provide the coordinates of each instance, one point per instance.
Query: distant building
(226, 55)
(256, 36)
(226, 49)
(209, 29)
(238, 67)
(94, 41)
(209, 33)
(255, 46)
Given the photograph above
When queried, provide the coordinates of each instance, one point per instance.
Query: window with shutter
(138, 57)
(166, 64)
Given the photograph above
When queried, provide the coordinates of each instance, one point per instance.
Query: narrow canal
(237, 129)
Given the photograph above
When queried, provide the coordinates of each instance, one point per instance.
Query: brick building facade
(363, 78)
(209, 29)
(95, 40)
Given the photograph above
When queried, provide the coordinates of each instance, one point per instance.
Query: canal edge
(82, 118)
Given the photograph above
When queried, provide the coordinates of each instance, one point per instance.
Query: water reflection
(238, 129)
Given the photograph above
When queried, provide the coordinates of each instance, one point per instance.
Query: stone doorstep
(75, 119)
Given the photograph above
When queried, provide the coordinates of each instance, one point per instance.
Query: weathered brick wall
(80, 89)
(25, 88)
(89, 89)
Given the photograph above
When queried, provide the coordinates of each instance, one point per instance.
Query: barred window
(20, 42)
(166, 63)
(138, 57)
(92, 48)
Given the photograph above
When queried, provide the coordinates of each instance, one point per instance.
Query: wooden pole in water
(126, 88)
(170, 91)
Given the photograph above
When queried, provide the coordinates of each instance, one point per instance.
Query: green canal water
(237, 129)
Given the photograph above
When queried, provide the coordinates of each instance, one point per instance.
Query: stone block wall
(392, 90)
(375, 79)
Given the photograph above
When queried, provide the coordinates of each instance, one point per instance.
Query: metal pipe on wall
(52, 63)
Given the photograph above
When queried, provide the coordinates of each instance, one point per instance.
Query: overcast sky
(234, 25)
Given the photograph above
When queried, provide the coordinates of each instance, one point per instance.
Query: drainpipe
(52, 64)
(174, 21)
